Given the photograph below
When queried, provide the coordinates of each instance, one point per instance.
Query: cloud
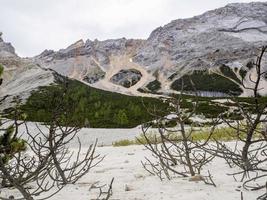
(35, 25)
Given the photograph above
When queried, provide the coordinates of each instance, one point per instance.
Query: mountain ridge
(225, 37)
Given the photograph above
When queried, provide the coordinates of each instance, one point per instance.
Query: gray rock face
(21, 76)
(98, 50)
(126, 78)
(6, 49)
(88, 61)
(46, 53)
(225, 36)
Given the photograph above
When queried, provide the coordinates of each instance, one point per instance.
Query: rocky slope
(95, 62)
(21, 76)
(225, 36)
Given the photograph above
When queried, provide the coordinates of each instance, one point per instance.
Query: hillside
(21, 76)
(227, 36)
(215, 50)
(89, 107)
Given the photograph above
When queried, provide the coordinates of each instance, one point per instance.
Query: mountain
(21, 76)
(41, 91)
(226, 38)
(214, 49)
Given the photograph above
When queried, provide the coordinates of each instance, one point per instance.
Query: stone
(196, 178)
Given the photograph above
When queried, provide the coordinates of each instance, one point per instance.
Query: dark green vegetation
(205, 81)
(151, 87)
(88, 106)
(210, 108)
(10, 145)
(154, 86)
(126, 78)
(80, 104)
(228, 72)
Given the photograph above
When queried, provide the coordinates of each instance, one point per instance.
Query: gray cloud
(34, 25)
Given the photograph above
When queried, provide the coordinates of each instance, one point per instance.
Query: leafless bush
(104, 194)
(250, 151)
(174, 150)
(48, 163)
(70, 166)
(263, 196)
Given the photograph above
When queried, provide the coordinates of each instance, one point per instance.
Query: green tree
(121, 118)
(81, 101)
(107, 112)
(9, 145)
(96, 115)
(136, 110)
(86, 123)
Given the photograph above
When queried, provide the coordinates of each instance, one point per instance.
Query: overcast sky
(35, 25)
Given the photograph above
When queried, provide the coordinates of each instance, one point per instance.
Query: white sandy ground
(124, 164)
(105, 137)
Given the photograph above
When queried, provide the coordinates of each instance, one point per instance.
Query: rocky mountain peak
(227, 36)
(6, 49)
(76, 45)
(224, 36)
(185, 41)
(21, 76)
